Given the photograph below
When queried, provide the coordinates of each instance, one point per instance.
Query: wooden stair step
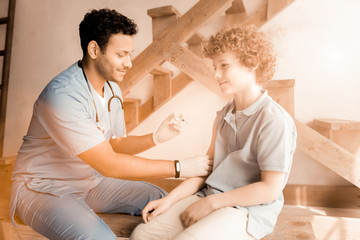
(345, 133)
(196, 39)
(164, 17)
(162, 86)
(163, 11)
(194, 44)
(161, 71)
(236, 7)
(237, 15)
(276, 6)
(146, 109)
(131, 110)
(337, 124)
(132, 100)
(282, 91)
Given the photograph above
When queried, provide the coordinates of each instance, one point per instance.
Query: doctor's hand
(195, 166)
(169, 128)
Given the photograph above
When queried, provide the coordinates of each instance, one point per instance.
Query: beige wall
(316, 42)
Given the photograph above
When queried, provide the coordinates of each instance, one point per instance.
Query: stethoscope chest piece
(100, 127)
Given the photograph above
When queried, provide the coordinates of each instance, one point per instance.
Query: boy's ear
(93, 49)
(254, 68)
(255, 63)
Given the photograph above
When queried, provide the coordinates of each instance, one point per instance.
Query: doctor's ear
(93, 49)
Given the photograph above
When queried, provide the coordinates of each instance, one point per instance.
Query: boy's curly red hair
(250, 46)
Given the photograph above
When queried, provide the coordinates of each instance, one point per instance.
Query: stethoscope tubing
(98, 124)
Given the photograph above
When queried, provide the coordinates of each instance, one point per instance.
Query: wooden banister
(328, 153)
(196, 68)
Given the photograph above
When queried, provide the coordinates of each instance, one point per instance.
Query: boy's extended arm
(264, 191)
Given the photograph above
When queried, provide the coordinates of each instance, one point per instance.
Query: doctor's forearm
(124, 166)
(130, 167)
(132, 144)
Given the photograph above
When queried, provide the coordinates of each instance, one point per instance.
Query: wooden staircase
(172, 32)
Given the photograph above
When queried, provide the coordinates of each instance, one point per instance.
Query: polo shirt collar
(258, 104)
(251, 110)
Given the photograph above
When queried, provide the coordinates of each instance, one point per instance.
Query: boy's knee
(139, 233)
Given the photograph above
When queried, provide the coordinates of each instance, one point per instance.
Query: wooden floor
(294, 223)
(297, 222)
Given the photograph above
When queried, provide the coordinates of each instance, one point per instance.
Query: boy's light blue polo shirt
(262, 137)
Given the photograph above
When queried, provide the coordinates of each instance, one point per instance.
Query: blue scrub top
(63, 125)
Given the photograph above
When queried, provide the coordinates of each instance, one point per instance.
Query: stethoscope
(98, 124)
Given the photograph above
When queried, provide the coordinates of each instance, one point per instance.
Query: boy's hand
(155, 208)
(197, 211)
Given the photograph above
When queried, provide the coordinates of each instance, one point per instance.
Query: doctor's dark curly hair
(99, 25)
(251, 48)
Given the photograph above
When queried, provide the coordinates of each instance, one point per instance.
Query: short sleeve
(276, 145)
(66, 118)
(220, 115)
